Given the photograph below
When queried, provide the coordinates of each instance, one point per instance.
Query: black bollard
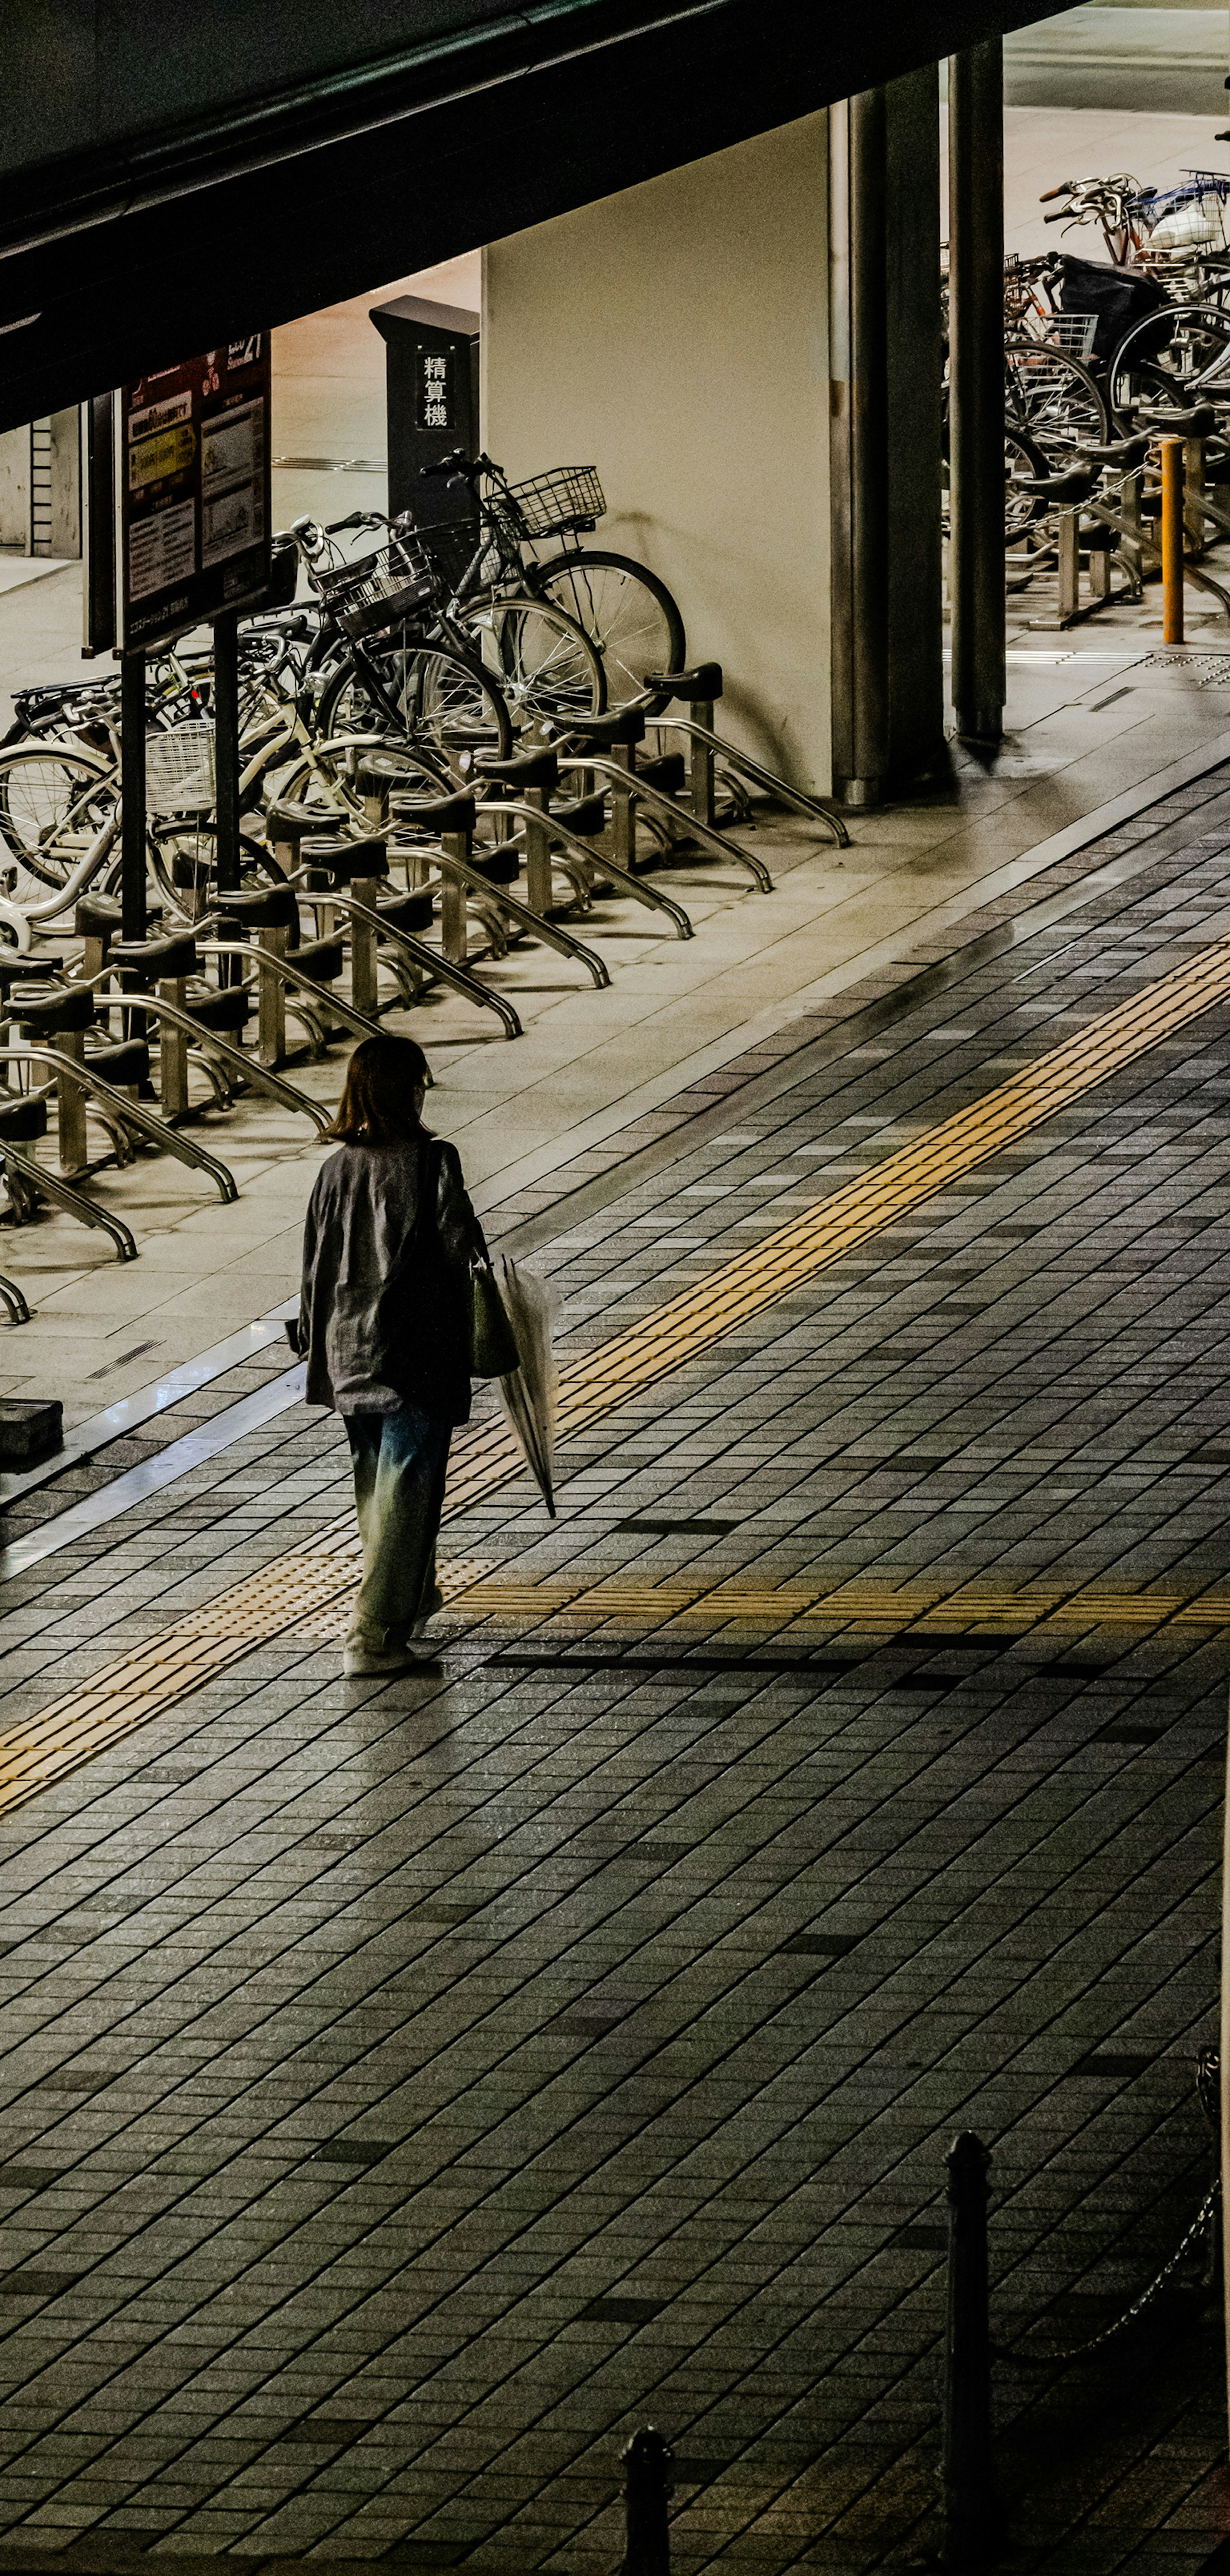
(648, 2462)
(132, 819)
(971, 2507)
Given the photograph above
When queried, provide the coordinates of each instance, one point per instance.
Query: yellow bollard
(1172, 540)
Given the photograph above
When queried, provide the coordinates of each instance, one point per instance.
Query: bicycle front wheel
(542, 662)
(440, 702)
(1192, 364)
(53, 804)
(628, 615)
(1053, 399)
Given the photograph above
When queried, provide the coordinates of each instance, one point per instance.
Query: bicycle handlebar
(356, 519)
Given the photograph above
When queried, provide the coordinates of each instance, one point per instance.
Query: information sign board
(192, 458)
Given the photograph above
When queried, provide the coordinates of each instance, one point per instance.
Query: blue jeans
(399, 1461)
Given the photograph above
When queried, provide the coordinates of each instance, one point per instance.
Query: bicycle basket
(1074, 331)
(179, 769)
(381, 590)
(1192, 217)
(570, 496)
(450, 547)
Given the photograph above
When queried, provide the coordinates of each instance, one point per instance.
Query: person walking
(385, 1323)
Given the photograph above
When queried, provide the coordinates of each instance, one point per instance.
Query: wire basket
(570, 496)
(1073, 331)
(179, 769)
(1187, 218)
(385, 588)
(450, 548)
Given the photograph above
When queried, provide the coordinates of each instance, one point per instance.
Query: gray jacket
(384, 1316)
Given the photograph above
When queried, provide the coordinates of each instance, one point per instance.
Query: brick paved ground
(410, 2090)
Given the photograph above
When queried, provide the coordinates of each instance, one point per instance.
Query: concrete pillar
(976, 386)
(40, 486)
(859, 463)
(15, 489)
(885, 437)
(675, 335)
(65, 483)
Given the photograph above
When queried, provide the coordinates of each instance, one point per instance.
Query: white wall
(676, 336)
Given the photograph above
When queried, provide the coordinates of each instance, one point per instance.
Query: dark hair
(377, 1106)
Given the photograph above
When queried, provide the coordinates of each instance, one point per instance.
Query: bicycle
(536, 657)
(626, 611)
(1195, 364)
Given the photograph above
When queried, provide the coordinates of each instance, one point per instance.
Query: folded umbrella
(529, 1393)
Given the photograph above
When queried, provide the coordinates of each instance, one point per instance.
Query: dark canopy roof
(176, 176)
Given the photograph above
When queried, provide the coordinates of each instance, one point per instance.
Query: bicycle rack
(259, 1077)
(637, 790)
(532, 924)
(74, 1071)
(442, 969)
(11, 1298)
(35, 1181)
(557, 831)
(288, 974)
(700, 689)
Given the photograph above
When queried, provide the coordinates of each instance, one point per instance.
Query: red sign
(192, 456)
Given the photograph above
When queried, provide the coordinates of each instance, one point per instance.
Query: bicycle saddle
(380, 771)
(1124, 452)
(97, 916)
(525, 769)
(22, 1120)
(156, 961)
(623, 725)
(1072, 486)
(408, 912)
(584, 818)
(51, 1010)
(342, 860)
(288, 822)
(433, 813)
(1196, 423)
(266, 908)
(705, 681)
(126, 1061)
(321, 960)
(229, 1008)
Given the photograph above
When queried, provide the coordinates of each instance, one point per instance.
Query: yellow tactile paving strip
(290, 1593)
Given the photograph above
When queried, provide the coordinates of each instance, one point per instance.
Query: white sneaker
(358, 1657)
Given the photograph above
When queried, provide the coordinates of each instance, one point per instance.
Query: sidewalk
(409, 2091)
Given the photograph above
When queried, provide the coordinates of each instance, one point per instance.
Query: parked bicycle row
(435, 765)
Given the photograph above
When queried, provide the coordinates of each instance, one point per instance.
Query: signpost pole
(226, 749)
(132, 824)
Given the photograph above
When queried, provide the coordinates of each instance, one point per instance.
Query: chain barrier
(1016, 2352)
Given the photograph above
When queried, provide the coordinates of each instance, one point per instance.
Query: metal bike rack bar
(530, 921)
(439, 968)
(635, 886)
(129, 1112)
(63, 1195)
(258, 1076)
(813, 806)
(638, 789)
(282, 967)
(12, 1298)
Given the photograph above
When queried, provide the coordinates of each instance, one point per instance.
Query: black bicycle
(626, 611)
